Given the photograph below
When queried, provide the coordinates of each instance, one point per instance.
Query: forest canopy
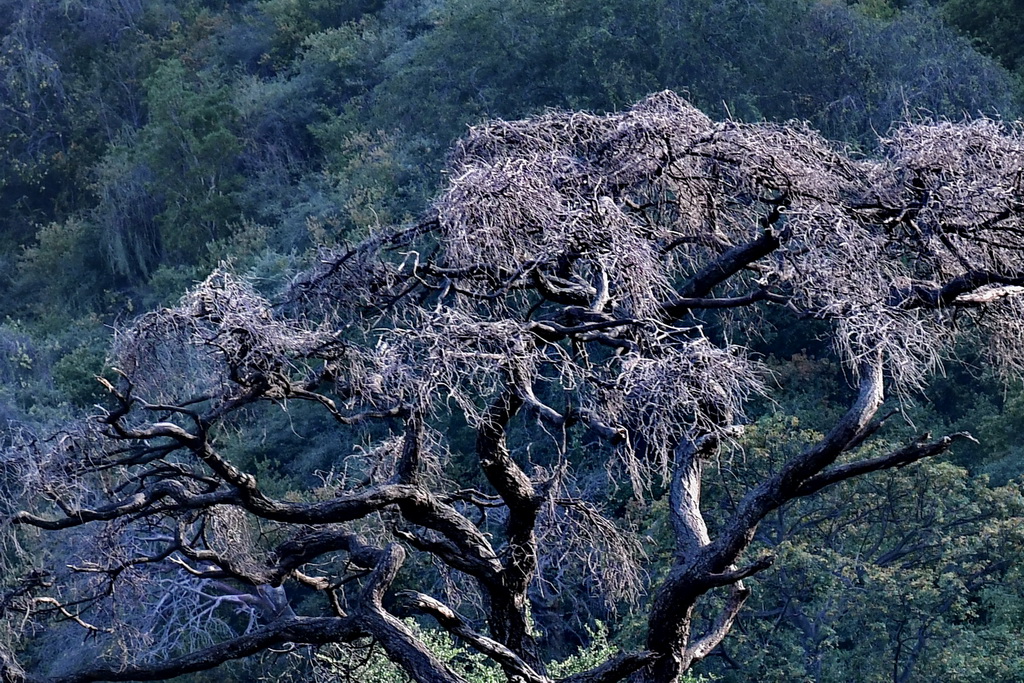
(423, 334)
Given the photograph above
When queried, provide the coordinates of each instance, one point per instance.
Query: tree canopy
(562, 346)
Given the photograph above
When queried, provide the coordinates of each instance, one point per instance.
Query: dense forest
(292, 390)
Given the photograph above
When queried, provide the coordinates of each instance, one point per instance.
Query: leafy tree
(903, 585)
(126, 214)
(544, 336)
(58, 274)
(846, 72)
(995, 24)
(67, 82)
(169, 189)
(39, 104)
(192, 150)
(851, 74)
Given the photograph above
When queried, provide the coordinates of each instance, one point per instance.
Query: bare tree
(557, 295)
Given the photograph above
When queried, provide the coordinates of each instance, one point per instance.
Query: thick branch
(615, 669)
(400, 643)
(504, 475)
(734, 576)
(139, 502)
(562, 292)
(474, 564)
(412, 447)
(908, 454)
(712, 564)
(309, 544)
(785, 484)
(548, 330)
(676, 308)
(961, 289)
(507, 601)
(305, 630)
(691, 530)
(728, 264)
(456, 625)
(703, 646)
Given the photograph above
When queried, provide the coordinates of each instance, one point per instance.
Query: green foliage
(37, 99)
(165, 137)
(877, 9)
(911, 578)
(25, 390)
(598, 651)
(370, 665)
(850, 71)
(295, 20)
(997, 26)
(192, 151)
(75, 374)
(127, 214)
(373, 180)
(171, 188)
(58, 274)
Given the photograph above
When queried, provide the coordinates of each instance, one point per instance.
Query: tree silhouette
(557, 305)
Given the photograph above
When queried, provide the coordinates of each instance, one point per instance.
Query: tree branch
(400, 643)
(615, 669)
(702, 647)
(456, 625)
(303, 630)
(958, 290)
(785, 484)
(908, 454)
(728, 264)
(678, 307)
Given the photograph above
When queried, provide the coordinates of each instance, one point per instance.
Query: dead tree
(558, 292)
